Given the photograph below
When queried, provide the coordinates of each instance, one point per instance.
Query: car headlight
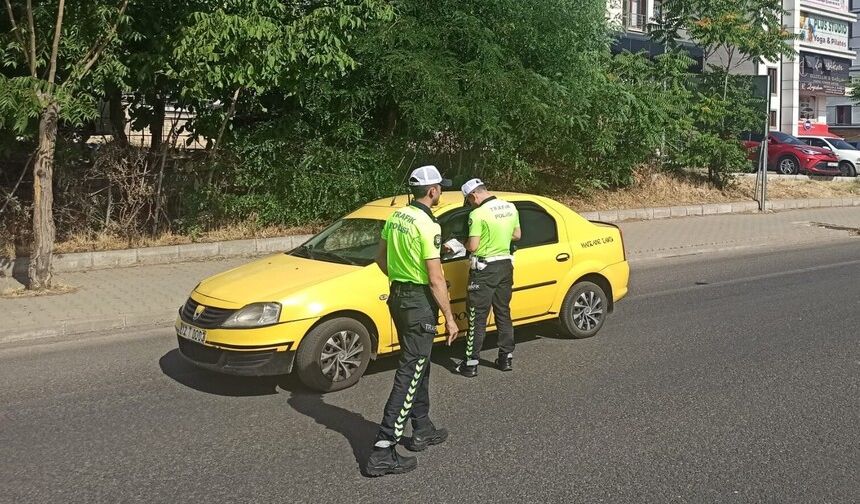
(809, 152)
(255, 315)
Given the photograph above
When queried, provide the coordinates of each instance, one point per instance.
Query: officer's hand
(453, 330)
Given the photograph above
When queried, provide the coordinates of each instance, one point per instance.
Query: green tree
(255, 47)
(54, 58)
(731, 33)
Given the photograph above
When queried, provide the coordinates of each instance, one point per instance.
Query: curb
(77, 327)
(777, 176)
(82, 261)
(654, 213)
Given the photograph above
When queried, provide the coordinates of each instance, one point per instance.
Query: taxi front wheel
(333, 355)
(583, 310)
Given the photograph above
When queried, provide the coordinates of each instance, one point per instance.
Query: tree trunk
(231, 111)
(43, 201)
(157, 125)
(116, 112)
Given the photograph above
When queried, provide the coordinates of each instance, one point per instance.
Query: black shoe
(467, 371)
(384, 461)
(505, 362)
(421, 440)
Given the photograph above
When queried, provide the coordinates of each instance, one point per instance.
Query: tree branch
(15, 189)
(97, 48)
(55, 47)
(32, 38)
(18, 36)
(230, 112)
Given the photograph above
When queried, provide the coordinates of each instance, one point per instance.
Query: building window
(771, 73)
(773, 119)
(635, 14)
(808, 109)
(843, 114)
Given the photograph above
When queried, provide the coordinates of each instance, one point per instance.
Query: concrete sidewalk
(150, 295)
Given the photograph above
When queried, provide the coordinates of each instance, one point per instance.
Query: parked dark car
(788, 155)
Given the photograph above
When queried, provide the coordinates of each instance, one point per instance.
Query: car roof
(381, 208)
(825, 137)
(449, 198)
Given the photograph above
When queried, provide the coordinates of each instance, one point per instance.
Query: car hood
(270, 279)
(819, 150)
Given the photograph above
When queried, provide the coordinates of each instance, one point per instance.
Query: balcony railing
(635, 22)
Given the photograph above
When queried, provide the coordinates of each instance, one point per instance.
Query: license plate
(833, 165)
(190, 332)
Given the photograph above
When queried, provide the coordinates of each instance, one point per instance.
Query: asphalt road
(720, 379)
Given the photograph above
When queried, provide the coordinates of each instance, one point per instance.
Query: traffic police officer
(409, 253)
(493, 224)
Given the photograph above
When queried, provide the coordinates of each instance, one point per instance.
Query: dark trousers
(415, 316)
(490, 287)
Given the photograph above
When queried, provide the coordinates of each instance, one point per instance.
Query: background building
(809, 89)
(843, 115)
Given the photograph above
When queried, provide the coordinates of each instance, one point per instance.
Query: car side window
(538, 227)
(455, 226)
(817, 142)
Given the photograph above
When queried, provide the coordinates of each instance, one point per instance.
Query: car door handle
(562, 257)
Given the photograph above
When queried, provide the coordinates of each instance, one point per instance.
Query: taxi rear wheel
(334, 355)
(584, 310)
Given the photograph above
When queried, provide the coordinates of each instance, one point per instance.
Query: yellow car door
(542, 259)
(455, 264)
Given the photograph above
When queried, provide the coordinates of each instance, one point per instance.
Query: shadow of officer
(359, 431)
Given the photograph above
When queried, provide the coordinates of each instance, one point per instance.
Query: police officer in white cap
(409, 253)
(493, 225)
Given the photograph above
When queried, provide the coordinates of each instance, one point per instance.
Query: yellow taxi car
(321, 309)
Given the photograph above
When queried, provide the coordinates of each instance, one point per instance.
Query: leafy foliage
(731, 32)
(317, 106)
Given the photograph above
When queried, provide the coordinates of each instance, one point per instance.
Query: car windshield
(842, 145)
(786, 139)
(347, 241)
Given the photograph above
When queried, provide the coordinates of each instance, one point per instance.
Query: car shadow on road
(357, 430)
(173, 365)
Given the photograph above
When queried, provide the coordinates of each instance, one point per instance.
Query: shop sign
(823, 32)
(823, 75)
(840, 5)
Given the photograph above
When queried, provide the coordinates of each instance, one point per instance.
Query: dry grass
(788, 189)
(104, 241)
(21, 292)
(655, 189)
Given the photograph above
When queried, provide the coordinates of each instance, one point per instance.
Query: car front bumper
(260, 351)
(235, 362)
(822, 168)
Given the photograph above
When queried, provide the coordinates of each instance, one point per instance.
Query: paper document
(457, 249)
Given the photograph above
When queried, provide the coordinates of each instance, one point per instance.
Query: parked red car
(788, 155)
